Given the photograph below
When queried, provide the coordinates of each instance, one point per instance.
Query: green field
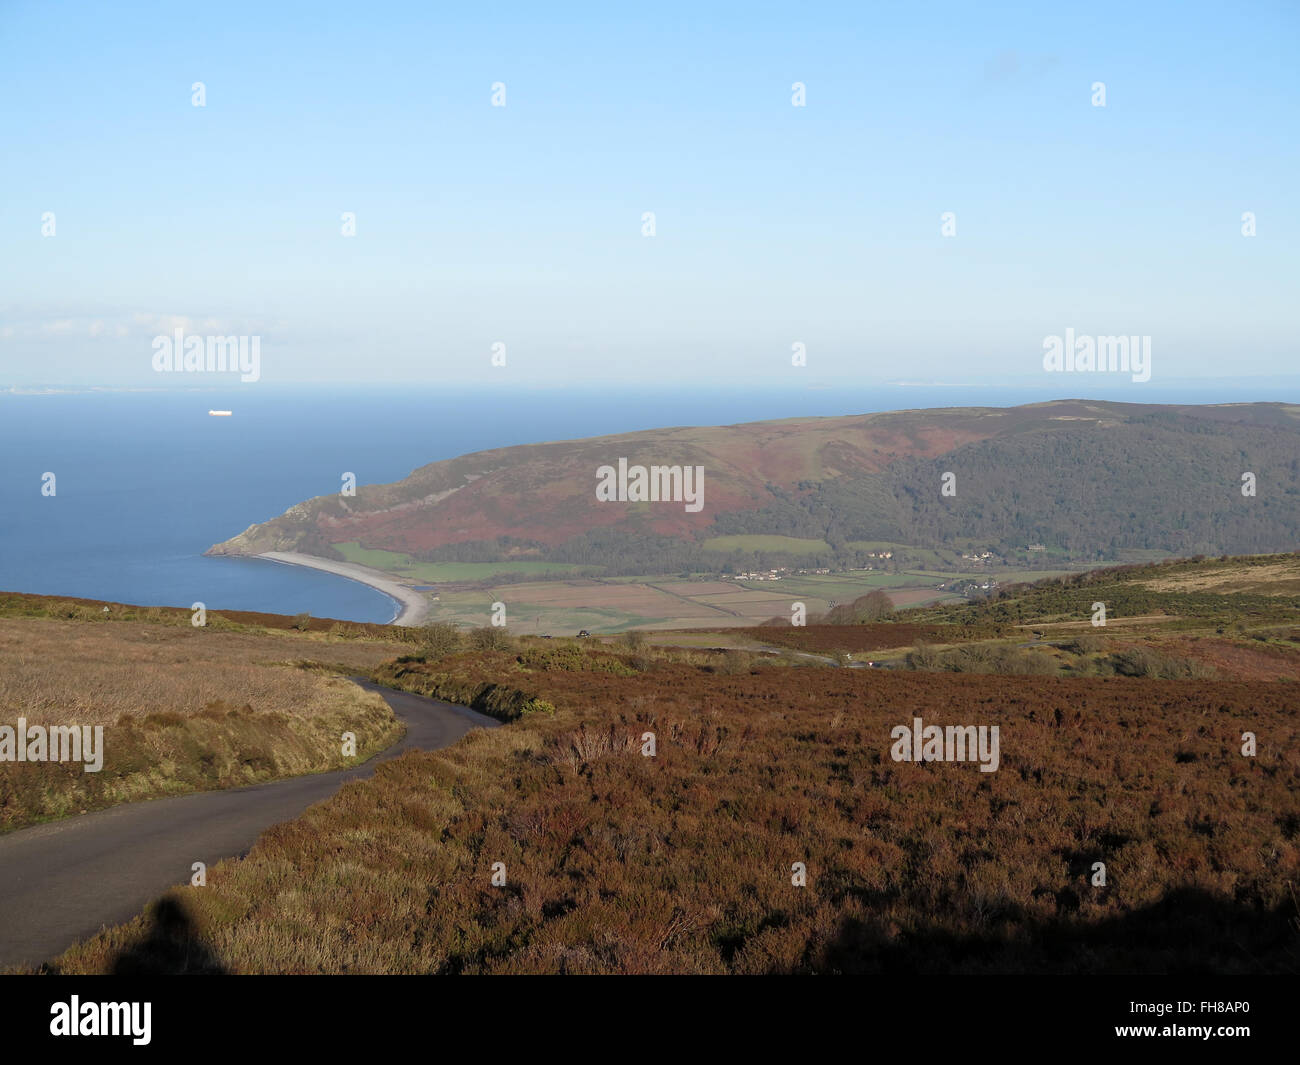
(602, 608)
(445, 572)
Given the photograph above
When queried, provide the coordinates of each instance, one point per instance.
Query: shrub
(866, 608)
(302, 622)
(437, 639)
(573, 659)
(1008, 661)
(969, 660)
(923, 656)
(490, 638)
(735, 662)
(569, 659)
(1148, 662)
(1031, 664)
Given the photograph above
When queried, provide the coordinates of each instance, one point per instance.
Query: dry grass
(1280, 578)
(183, 709)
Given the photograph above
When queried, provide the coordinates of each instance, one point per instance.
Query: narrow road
(63, 881)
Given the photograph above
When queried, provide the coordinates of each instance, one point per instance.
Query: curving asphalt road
(63, 881)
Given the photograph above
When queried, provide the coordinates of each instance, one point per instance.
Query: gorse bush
(923, 656)
(490, 638)
(553, 658)
(735, 662)
(572, 658)
(1009, 661)
(463, 683)
(438, 639)
(642, 662)
(1148, 662)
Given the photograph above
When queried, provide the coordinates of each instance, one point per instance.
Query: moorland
(1144, 816)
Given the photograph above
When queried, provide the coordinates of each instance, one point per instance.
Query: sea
(145, 482)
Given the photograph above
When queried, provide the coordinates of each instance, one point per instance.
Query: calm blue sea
(146, 482)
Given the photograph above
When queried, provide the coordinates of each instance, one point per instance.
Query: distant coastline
(411, 607)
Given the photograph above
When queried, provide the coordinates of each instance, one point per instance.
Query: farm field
(438, 572)
(557, 607)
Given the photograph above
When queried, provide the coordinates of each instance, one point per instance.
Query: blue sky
(522, 224)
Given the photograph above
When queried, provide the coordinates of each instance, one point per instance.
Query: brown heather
(183, 709)
(681, 863)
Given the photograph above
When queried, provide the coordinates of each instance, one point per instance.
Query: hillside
(244, 699)
(1086, 480)
(1258, 590)
(617, 862)
(1120, 745)
(1227, 618)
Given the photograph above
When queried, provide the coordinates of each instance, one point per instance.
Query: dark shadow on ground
(172, 948)
(1189, 931)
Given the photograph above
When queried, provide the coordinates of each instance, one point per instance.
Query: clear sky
(522, 224)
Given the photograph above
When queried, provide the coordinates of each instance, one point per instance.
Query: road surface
(63, 881)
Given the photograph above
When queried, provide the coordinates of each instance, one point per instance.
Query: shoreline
(412, 607)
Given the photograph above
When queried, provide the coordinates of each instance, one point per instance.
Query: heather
(682, 862)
